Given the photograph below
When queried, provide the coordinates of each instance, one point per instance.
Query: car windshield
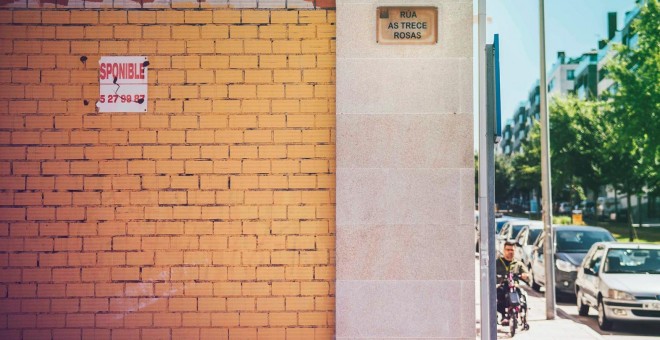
(533, 234)
(516, 230)
(499, 225)
(579, 241)
(635, 261)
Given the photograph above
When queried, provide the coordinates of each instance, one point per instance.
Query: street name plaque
(407, 25)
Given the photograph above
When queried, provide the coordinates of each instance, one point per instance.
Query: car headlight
(565, 266)
(619, 295)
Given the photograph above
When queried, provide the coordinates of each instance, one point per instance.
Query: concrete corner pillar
(405, 178)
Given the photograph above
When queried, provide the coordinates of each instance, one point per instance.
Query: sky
(573, 26)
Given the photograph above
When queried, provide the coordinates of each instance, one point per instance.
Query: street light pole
(486, 209)
(546, 185)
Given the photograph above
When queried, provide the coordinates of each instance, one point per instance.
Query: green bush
(561, 220)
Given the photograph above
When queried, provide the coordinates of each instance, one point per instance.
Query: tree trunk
(629, 213)
(639, 208)
(616, 204)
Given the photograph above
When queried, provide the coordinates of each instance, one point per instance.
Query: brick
(284, 17)
(55, 17)
(227, 16)
(84, 17)
(302, 61)
(215, 32)
(113, 17)
(243, 61)
(182, 304)
(318, 16)
(255, 17)
(273, 61)
(27, 17)
(141, 17)
(186, 62)
(273, 32)
(169, 17)
(185, 32)
(127, 32)
(200, 17)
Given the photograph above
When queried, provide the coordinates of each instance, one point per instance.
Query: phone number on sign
(124, 98)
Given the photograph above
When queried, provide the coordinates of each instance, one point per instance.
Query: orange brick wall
(210, 216)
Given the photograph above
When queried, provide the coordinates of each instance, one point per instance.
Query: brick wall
(210, 216)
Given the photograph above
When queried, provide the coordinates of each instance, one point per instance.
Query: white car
(510, 231)
(621, 281)
(525, 240)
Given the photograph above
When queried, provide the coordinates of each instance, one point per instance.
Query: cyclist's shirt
(503, 267)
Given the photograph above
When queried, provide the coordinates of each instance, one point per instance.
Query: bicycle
(515, 304)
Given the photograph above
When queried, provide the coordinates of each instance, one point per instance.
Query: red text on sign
(121, 71)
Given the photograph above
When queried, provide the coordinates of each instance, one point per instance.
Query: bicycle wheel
(513, 323)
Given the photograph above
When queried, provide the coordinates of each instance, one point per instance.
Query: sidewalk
(539, 328)
(553, 329)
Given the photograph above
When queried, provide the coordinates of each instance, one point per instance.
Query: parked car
(621, 281)
(510, 231)
(525, 241)
(499, 222)
(571, 246)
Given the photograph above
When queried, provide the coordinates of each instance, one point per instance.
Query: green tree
(634, 110)
(527, 164)
(577, 133)
(503, 178)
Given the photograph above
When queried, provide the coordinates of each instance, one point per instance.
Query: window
(570, 241)
(632, 261)
(551, 85)
(533, 235)
(521, 235)
(570, 74)
(594, 262)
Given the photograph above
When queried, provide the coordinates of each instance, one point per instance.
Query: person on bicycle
(505, 264)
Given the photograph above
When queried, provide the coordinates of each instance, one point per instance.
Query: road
(567, 309)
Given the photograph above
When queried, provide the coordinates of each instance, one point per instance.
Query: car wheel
(583, 310)
(603, 322)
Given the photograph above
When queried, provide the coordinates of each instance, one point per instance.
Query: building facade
(214, 214)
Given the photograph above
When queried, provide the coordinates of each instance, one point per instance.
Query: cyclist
(504, 265)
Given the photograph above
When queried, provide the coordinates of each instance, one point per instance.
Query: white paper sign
(123, 84)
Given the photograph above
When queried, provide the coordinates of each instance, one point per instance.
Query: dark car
(571, 246)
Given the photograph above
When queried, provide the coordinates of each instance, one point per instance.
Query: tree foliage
(576, 135)
(634, 110)
(503, 178)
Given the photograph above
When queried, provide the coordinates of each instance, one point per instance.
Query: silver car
(621, 281)
(525, 240)
(510, 231)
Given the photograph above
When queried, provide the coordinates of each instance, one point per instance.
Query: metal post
(487, 161)
(546, 185)
(486, 196)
